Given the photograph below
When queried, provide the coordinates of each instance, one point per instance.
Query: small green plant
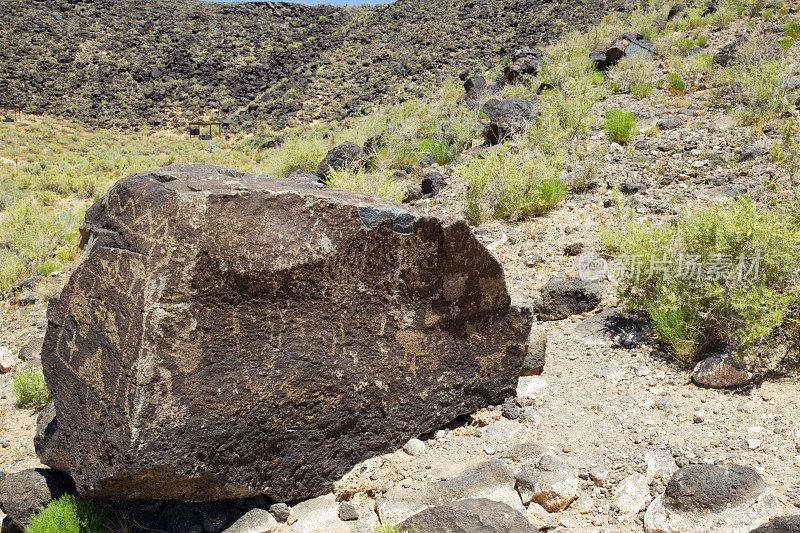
(378, 183)
(389, 527)
(69, 514)
(785, 43)
(620, 125)
(442, 151)
(768, 14)
(675, 83)
(684, 44)
(641, 90)
(725, 275)
(701, 41)
(29, 388)
(792, 29)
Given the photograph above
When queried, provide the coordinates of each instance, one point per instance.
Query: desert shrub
(725, 275)
(684, 44)
(641, 90)
(69, 514)
(620, 125)
(631, 72)
(299, 152)
(758, 87)
(701, 41)
(379, 183)
(675, 83)
(792, 29)
(442, 151)
(389, 527)
(725, 14)
(510, 185)
(29, 388)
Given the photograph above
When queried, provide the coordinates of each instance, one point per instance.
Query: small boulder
(669, 123)
(574, 249)
(550, 483)
(524, 62)
(8, 361)
(783, 524)
(632, 494)
(478, 515)
(346, 155)
(563, 297)
(533, 365)
(347, 513)
(506, 118)
(720, 371)
(702, 498)
(414, 447)
(30, 352)
(254, 521)
(24, 493)
(432, 183)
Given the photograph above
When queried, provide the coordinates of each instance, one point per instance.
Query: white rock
(632, 494)
(414, 447)
(8, 361)
(318, 514)
(659, 464)
(529, 386)
(754, 444)
(255, 521)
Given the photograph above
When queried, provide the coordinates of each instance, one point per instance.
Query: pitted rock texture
(226, 335)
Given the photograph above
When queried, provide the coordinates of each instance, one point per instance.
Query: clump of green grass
(633, 75)
(792, 29)
(641, 90)
(69, 514)
(30, 389)
(510, 185)
(759, 87)
(675, 83)
(684, 44)
(378, 183)
(299, 152)
(701, 41)
(725, 275)
(442, 151)
(389, 527)
(620, 125)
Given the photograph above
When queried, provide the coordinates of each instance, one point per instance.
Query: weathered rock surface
(524, 62)
(346, 155)
(254, 521)
(537, 352)
(222, 329)
(468, 516)
(26, 492)
(632, 494)
(47, 441)
(550, 483)
(720, 371)
(708, 498)
(783, 524)
(563, 297)
(507, 117)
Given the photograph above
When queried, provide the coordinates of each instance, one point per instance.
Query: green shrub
(684, 44)
(620, 125)
(299, 152)
(768, 14)
(442, 151)
(378, 183)
(759, 87)
(641, 90)
(701, 41)
(785, 43)
(29, 388)
(675, 83)
(388, 528)
(69, 514)
(510, 185)
(792, 29)
(632, 74)
(725, 275)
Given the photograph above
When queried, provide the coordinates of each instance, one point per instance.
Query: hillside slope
(254, 64)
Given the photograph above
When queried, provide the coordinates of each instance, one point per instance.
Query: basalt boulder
(227, 335)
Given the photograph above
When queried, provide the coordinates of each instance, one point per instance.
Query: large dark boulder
(783, 524)
(345, 155)
(628, 45)
(706, 486)
(27, 492)
(567, 296)
(507, 117)
(47, 441)
(478, 515)
(227, 335)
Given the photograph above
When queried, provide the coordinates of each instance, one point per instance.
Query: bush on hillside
(69, 514)
(620, 125)
(725, 275)
(29, 388)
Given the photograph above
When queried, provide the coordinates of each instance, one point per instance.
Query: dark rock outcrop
(27, 492)
(346, 155)
(227, 335)
(506, 117)
(47, 441)
(783, 524)
(628, 45)
(563, 297)
(524, 62)
(478, 515)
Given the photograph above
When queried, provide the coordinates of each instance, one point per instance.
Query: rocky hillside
(254, 64)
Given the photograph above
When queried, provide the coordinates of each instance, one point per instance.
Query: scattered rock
(478, 515)
(347, 513)
(432, 183)
(550, 483)
(723, 192)
(24, 493)
(506, 118)
(280, 511)
(346, 155)
(254, 521)
(524, 62)
(632, 494)
(720, 371)
(628, 45)
(632, 188)
(563, 297)
(414, 447)
(30, 352)
(574, 249)
(166, 236)
(533, 365)
(660, 465)
(669, 123)
(8, 362)
(750, 153)
(531, 260)
(704, 498)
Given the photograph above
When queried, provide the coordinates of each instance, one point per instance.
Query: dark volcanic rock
(346, 155)
(432, 183)
(468, 516)
(228, 335)
(47, 441)
(524, 62)
(26, 492)
(705, 486)
(628, 45)
(784, 524)
(563, 297)
(507, 117)
(537, 351)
